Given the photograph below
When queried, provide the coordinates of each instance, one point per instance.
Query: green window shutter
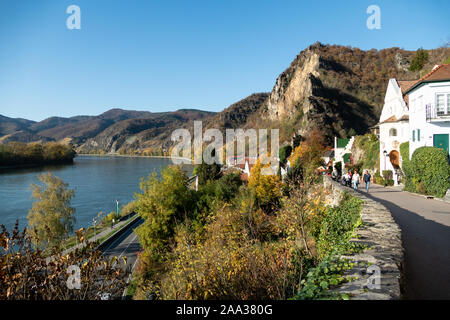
(347, 157)
(418, 134)
(414, 135)
(342, 143)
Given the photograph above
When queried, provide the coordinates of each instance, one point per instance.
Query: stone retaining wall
(384, 255)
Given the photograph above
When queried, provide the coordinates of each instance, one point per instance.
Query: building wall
(394, 105)
(418, 99)
(389, 143)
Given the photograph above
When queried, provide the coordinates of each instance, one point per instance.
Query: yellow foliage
(267, 188)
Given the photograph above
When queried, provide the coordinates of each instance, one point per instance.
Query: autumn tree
(162, 202)
(51, 216)
(307, 157)
(267, 188)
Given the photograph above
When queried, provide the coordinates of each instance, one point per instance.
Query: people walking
(366, 179)
(355, 180)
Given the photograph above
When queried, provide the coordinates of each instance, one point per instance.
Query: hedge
(428, 172)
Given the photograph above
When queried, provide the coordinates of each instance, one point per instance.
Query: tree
(267, 188)
(51, 217)
(162, 204)
(207, 172)
(419, 60)
(228, 186)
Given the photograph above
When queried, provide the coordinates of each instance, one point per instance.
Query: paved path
(425, 225)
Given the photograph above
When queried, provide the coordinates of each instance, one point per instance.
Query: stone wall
(379, 267)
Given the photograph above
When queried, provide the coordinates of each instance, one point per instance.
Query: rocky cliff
(337, 88)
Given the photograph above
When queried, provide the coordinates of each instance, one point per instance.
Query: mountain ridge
(338, 89)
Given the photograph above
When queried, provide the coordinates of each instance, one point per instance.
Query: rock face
(384, 256)
(294, 87)
(337, 88)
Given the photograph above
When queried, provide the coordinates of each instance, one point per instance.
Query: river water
(97, 181)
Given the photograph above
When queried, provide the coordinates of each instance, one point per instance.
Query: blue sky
(166, 55)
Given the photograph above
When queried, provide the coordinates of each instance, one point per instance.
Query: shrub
(284, 153)
(371, 150)
(430, 172)
(338, 226)
(406, 167)
(228, 186)
(388, 175)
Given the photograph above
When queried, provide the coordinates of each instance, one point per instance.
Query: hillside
(11, 125)
(337, 88)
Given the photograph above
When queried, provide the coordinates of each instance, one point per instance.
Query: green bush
(406, 166)
(387, 175)
(429, 172)
(284, 153)
(338, 226)
(228, 186)
(378, 179)
(371, 147)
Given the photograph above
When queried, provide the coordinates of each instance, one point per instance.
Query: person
(355, 180)
(366, 179)
(334, 174)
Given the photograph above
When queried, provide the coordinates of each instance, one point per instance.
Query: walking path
(425, 225)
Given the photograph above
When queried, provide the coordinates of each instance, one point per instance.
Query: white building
(343, 151)
(415, 111)
(429, 114)
(394, 126)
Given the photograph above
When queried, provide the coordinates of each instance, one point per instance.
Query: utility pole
(117, 203)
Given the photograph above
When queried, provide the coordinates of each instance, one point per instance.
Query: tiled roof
(391, 119)
(405, 85)
(440, 73)
(394, 119)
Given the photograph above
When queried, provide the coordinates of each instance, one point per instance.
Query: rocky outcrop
(337, 88)
(293, 87)
(383, 259)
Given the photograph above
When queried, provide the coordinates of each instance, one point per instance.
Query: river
(97, 181)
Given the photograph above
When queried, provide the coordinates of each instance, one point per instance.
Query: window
(393, 132)
(448, 103)
(418, 134)
(440, 104)
(414, 135)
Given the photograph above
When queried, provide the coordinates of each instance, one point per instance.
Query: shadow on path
(427, 252)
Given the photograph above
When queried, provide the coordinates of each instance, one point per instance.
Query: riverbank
(36, 165)
(133, 156)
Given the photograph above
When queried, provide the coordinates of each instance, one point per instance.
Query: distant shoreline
(36, 165)
(131, 156)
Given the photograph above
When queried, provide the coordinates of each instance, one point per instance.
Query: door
(441, 141)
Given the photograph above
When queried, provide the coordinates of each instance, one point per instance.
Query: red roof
(439, 73)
